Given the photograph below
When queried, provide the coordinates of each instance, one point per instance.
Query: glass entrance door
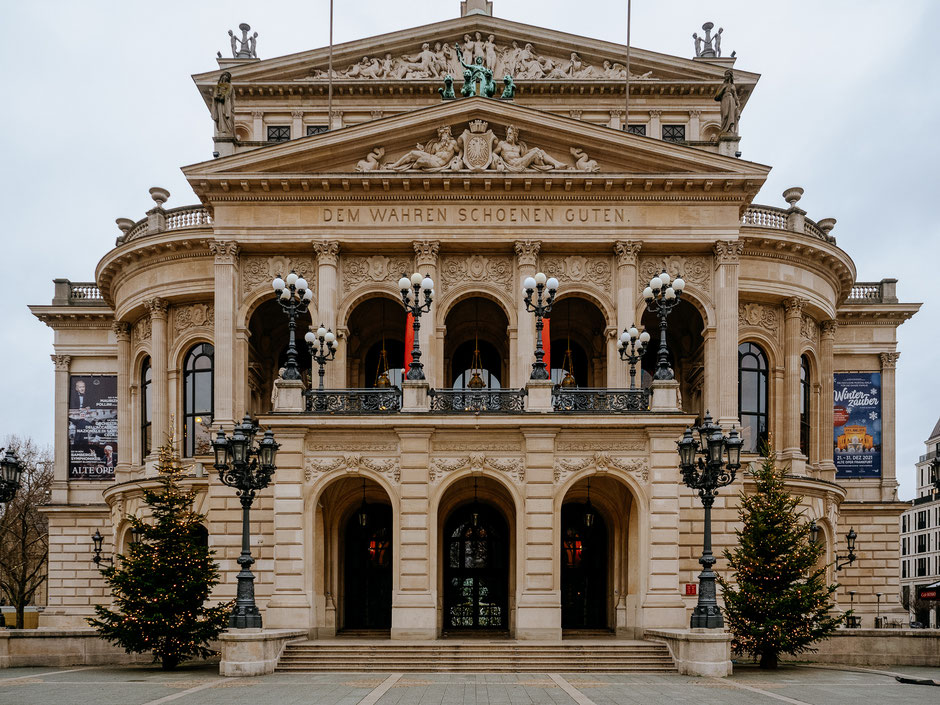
(583, 568)
(368, 574)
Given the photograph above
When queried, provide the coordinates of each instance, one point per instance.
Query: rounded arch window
(146, 408)
(198, 402)
(752, 396)
(805, 421)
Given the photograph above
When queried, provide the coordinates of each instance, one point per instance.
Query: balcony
(599, 400)
(69, 293)
(333, 402)
(483, 401)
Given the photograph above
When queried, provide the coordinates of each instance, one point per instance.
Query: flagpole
(329, 109)
(626, 102)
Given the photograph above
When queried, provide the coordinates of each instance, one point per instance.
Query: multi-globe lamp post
(543, 288)
(411, 289)
(322, 347)
(704, 467)
(294, 297)
(248, 468)
(632, 345)
(662, 295)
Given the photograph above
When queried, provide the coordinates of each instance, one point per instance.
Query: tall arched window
(752, 396)
(146, 409)
(198, 400)
(804, 406)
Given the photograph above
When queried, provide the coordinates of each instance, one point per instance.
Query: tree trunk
(20, 617)
(768, 660)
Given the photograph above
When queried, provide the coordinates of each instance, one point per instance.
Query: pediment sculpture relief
(477, 148)
(520, 62)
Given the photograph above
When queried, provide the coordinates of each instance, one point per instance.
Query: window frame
(806, 405)
(763, 391)
(146, 407)
(677, 129)
(191, 375)
(269, 128)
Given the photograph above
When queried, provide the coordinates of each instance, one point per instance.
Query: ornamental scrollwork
(193, 316)
(476, 268)
(141, 330)
(758, 316)
(352, 463)
(595, 270)
(259, 272)
(693, 269)
(378, 268)
(602, 462)
(477, 462)
(809, 329)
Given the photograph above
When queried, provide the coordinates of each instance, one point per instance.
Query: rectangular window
(636, 130)
(921, 567)
(904, 524)
(278, 133)
(673, 133)
(904, 546)
(922, 520)
(317, 129)
(922, 543)
(903, 569)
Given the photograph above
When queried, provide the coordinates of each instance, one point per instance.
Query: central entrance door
(583, 568)
(368, 574)
(476, 569)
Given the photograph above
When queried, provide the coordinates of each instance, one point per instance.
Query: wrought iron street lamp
(97, 539)
(247, 468)
(707, 474)
(662, 295)
(813, 532)
(849, 558)
(632, 345)
(537, 286)
(11, 471)
(322, 347)
(411, 289)
(294, 297)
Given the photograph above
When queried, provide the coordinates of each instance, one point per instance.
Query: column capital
(617, 113)
(158, 308)
(527, 252)
(225, 252)
(327, 251)
(426, 253)
(257, 114)
(61, 362)
(728, 251)
(122, 331)
(296, 114)
(794, 306)
(828, 328)
(889, 360)
(695, 113)
(627, 251)
(655, 113)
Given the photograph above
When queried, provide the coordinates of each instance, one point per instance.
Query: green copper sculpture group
(477, 80)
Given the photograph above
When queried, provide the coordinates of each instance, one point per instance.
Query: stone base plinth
(289, 395)
(48, 648)
(697, 652)
(539, 395)
(665, 395)
(254, 652)
(414, 395)
(877, 647)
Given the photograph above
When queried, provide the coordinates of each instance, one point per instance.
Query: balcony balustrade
(477, 401)
(599, 400)
(353, 401)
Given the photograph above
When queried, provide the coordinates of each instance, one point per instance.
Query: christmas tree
(778, 601)
(160, 587)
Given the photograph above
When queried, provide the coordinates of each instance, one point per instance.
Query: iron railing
(599, 400)
(477, 401)
(353, 401)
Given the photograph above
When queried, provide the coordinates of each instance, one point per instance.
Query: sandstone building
(475, 511)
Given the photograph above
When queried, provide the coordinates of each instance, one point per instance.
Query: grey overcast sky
(99, 106)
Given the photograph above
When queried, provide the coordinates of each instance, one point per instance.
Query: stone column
(889, 484)
(727, 259)
(527, 254)
(257, 126)
(426, 263)
(656, 129)
(327, 302)
(827, 335)
(226, 297)
(538, 610)
(793, 307)
(695, 130)
(627, 252)
(122, 333)
(60, 485)
(158, 357)
(296, 124)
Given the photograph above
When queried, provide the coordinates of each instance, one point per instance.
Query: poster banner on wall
(857, 424)
(93, 449)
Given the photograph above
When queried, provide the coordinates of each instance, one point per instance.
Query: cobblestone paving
(201, 685)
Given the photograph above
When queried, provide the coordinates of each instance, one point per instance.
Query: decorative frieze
(193, 316)
(593, 270)
(478, 462)
(456, 446)
(258, 272)
(339, 443)
(758, 315)
(476, 268)
(378, 268)
(601, 462)
(600, 445)
(352, 463)
(694, 269)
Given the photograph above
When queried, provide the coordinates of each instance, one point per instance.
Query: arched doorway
(368, 569)
(476, 346)
(267, 351)
(583, 567)
(375, 343)
(476, 569)
(686, 344)
(577, 325)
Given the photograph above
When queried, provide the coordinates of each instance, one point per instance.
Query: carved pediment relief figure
(478, 148)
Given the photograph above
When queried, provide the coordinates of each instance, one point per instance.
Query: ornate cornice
(889, 360)
(728, 251)
(527, 252)
(627, 252)
(327, 251)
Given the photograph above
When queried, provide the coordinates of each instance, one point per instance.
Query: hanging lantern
(363, 514)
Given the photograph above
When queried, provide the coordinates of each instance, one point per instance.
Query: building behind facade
(446, 508)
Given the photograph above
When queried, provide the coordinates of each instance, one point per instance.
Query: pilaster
(627, 252)
(527, 253)
(827, 336)
(426, 263)
(695, 130)
(656, 128)
(226, 296)
(727, 264)
(122, 334)
(257, 126)
(793, 308)
(327, 252)
(158, 308)
(296, 124)
(61, 434)
(889, 361)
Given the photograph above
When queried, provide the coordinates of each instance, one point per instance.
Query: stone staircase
(477, 656)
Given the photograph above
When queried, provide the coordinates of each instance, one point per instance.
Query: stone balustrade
(882, 292)
(69, 293)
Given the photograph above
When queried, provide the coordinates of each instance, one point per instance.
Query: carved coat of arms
(477, 145)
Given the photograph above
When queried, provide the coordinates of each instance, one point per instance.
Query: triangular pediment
(532, 55)
(469, 136)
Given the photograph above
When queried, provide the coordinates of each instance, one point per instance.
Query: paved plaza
(201, 685)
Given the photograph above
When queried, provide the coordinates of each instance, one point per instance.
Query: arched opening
(577, 325)
(805, 405)
(355, 520)
(198, 399)
(599, 557)
(476, 556)
(375, 325)
(686, 345)
(753, 397)
(476, 346)
(267, 351)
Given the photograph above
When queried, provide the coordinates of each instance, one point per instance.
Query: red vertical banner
(409, 339)
(547, 345)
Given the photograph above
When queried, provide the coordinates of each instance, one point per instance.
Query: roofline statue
(244, 48)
